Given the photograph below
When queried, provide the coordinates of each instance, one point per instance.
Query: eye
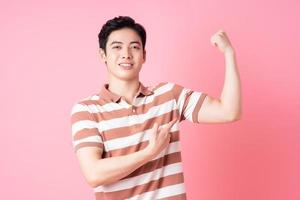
(116, 47)
(136, 47)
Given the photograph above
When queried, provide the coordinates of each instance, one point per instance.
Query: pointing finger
(170, 124)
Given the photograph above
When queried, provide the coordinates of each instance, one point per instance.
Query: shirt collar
(110, 96)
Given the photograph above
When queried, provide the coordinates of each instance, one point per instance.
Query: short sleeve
(85, 131)
(188, 102)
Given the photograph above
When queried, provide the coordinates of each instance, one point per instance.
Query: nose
(126, 54)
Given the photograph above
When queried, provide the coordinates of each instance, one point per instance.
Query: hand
(159, 140)
(221, 40)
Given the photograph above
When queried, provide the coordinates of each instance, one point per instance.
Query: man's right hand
(159, 139)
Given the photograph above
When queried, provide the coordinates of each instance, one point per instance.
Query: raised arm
(228, 107)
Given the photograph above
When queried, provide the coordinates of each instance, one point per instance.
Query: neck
(125, 88)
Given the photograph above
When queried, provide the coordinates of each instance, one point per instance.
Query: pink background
(49, 61)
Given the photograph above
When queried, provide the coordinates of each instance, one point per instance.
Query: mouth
(126, 66)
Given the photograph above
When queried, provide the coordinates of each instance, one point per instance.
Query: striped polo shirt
(106, 120)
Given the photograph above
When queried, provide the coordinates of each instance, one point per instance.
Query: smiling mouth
(126, 66)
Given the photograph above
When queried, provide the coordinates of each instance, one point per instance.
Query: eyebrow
(117, 42)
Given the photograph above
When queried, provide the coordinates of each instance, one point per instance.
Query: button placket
(133, 108)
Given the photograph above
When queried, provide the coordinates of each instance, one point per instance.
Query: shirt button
(133, 109)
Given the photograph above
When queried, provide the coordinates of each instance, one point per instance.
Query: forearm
(231, 93)
(110, 170)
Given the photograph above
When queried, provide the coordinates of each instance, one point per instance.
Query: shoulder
(83, 103)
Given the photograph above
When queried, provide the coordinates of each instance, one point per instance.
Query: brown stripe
(177, 89)
(137, 190)
(88, 144)
(83, 115)
(86, 133)
(198, 106)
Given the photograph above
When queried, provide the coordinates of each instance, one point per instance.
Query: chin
(127, 77)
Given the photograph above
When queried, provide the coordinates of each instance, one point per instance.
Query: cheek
(140, 57)
(112, 57)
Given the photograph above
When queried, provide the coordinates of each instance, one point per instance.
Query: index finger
(170, 124)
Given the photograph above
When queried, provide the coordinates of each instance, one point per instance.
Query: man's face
(124, 54)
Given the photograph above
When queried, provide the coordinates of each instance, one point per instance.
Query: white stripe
(155, 111)
(164, 192)
(78, 108)
(188, 112)
(142, 179)
(95, 97)
(80, 125)
(94, 138)
(134, 139)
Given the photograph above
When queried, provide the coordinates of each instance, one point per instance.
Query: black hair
(119, 23)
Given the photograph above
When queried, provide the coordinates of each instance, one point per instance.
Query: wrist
(229, 51)
(147, 153)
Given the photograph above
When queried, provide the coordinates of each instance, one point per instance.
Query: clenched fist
(221, 40)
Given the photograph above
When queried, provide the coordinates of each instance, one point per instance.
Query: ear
(102, 55)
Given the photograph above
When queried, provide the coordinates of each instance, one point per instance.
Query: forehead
(125, 35)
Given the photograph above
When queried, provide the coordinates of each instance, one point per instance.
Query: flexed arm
(228, 107)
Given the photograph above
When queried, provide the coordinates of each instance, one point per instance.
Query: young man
(126, 136)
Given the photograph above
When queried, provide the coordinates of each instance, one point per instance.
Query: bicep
(212, 111)
(88, 157)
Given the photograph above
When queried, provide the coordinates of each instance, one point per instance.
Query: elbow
(94, 179)
(95, 182)
(91, 181)
(235, 117)
(232, 114)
